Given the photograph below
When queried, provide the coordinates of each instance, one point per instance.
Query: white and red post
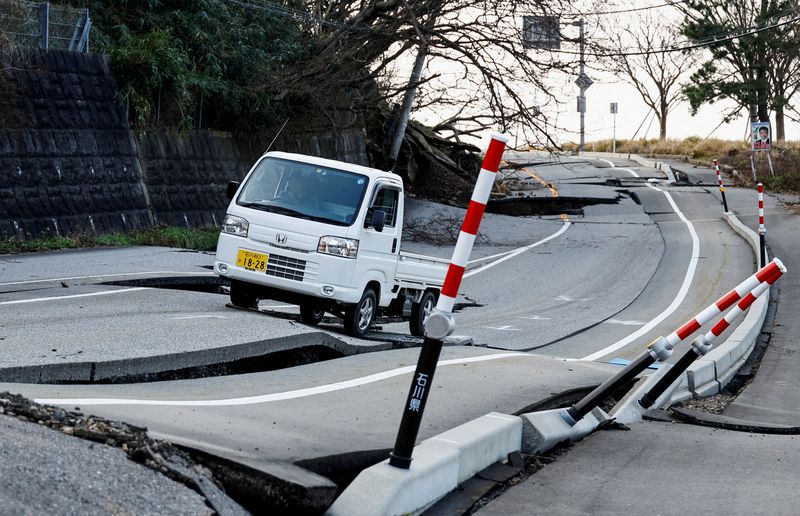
(661, 348)
(721, 188)
(441, 323)
(762, 231)
(703, 343)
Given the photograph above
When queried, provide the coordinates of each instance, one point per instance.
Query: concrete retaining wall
(69, 162)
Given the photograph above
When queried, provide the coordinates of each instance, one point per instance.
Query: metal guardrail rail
(44, 25)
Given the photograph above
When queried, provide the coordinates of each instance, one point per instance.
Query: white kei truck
(324, 235)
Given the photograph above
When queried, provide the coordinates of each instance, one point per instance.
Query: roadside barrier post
(721, 188)
(441, 323)
(703, 343)
(762, 231)
(661, 348)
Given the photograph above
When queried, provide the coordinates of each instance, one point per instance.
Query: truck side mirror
(230, 191)
(378, 220)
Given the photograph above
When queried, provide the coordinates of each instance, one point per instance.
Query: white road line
(186, 317)
(277, 396)
(624, 323)
(684, 289)
(502, 328)
(610, 164)
(148, 273)
(74, 296)
(535, 318)
(566, 298)
(519, 251)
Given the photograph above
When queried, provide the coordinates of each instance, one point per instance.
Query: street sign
(614, 108)
(541, 32)
(581, 104)
(583, 81)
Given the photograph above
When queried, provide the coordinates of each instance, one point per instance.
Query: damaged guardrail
(661, 349)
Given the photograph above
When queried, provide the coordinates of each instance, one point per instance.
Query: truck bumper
(305, 273)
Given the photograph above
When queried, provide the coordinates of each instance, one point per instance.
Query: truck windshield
(304, 190)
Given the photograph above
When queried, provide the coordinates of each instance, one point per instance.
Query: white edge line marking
(519, 251)
(57, 298)
(187, 317)
(278, 396)
(610, 164)
(687, 281)
(199, 273)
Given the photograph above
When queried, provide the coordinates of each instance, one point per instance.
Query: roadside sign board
(583, 81)
(762, 135)
(614, 108)
(541, 32)
(581, 104)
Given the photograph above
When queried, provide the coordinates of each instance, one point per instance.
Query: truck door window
(386, 200)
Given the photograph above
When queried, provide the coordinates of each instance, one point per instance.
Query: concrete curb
(711, 373)
(443, 462)
(658, 165)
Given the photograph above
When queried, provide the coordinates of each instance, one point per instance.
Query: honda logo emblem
(281, 238)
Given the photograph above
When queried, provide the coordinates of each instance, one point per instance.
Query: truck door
(379, 251)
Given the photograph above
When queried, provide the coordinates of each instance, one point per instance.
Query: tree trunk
(780, 131)
(662, 121)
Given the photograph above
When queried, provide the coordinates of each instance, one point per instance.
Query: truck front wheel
(419, 311)
(358, 318)
(243, 295)
(311, 314)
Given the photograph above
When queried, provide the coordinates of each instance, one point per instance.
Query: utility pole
(614, 109)
(583, 81)
(581, 26)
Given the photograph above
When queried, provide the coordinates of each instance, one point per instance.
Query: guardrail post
(762, 231)
(703, 343)
(44, 25)
(722, 188)
(661, 348)
(440, 323)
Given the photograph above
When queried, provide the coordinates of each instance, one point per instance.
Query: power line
(631, 10)
(713, 40)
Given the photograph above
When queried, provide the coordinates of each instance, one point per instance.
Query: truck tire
(311, 314)
(358, 317)
(243, 295)
(419, 311)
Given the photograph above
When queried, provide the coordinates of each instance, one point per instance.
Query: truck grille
(283, 267)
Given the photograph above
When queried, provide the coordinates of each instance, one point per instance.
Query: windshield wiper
(274, 208)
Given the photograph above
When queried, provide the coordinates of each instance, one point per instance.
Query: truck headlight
(345, 247)
(235, 226)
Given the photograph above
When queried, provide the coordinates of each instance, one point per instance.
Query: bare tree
(470, 45)
(657, 76)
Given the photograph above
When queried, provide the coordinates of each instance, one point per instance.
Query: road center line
(277, 396)
(74, 296)
(519, 251)
(682, 292)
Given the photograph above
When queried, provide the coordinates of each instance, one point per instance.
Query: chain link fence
(43, 25)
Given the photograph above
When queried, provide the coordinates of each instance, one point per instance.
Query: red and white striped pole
(721, 188)
(723, 303)
(441, 323)
(703, 343)
(762, 231)
(661, 348)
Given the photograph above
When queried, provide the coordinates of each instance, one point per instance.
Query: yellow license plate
(251, 260)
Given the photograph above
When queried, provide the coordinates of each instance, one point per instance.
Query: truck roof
(341, 165)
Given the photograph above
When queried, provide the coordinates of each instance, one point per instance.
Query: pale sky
(632, 110)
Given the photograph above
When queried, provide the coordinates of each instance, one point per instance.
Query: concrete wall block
(483, 441)
(389, 491)
(702, 372)
(542, 431)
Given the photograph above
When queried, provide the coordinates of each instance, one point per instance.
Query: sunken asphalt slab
(43, 471)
